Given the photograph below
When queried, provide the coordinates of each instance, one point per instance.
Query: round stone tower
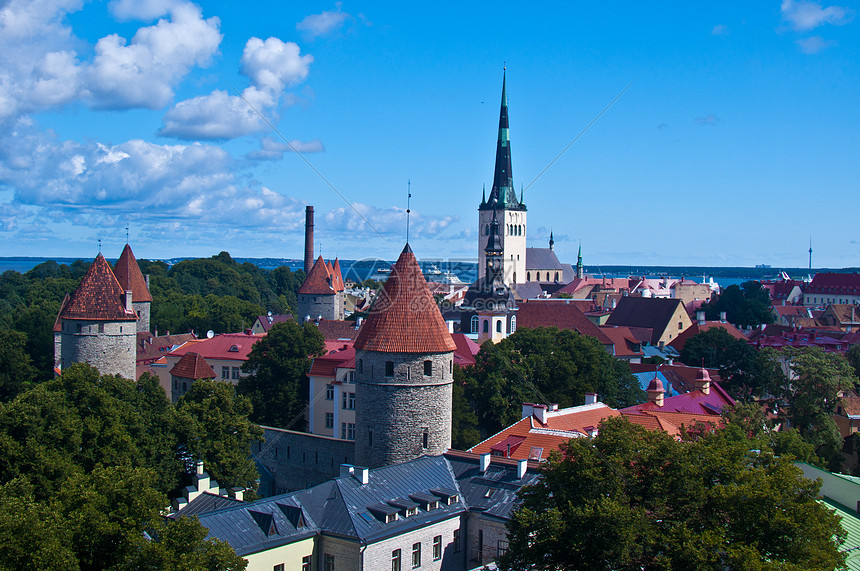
(97, 324)
(403, 372)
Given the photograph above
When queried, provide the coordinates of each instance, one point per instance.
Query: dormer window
(233, 349)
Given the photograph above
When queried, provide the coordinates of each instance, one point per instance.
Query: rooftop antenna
(408, 201)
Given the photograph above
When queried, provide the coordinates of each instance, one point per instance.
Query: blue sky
(735, 142)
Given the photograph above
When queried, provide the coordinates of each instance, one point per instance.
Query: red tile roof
(559, 313)
(227, 346)
(128, 274)
(267, 321)
(404, 317)
(626, 343)
(328, 364)
(151, 348)
(834, 283)
(99, 297)
(322, 279)
(673, 423)
(467, 349)
(338, 329)
(529, 433)
(693, 402)
(192, 366)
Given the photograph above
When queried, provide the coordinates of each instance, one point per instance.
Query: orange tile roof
(192, 366)
(128, 274)
(99, 297)
(323, 279)
(560, 427)
(404, 317)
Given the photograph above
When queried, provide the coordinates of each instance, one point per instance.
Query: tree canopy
(746, 305)
(638, 499)
(278, 384)
(545, 365)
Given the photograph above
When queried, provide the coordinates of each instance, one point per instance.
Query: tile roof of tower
(192, 366)
(98, 297)
(323, 279)
(128, 274)
(405, 318)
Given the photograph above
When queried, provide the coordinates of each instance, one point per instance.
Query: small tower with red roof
(191, 367)
(403, 372)
(128, 274)
(97, 324)
(322, 293)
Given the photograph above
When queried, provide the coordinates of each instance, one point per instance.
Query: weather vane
(408, 201)
(126, 233)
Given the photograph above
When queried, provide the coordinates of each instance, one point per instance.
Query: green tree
(853, 358)
(637, 499)
(747, 305)
(744, 371)
(544, 365)
(16, 369)
(181, 545)
(278, 365)
(213, 426)
(464, 421)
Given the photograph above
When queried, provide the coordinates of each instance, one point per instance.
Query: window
(329, 420)
(347, 430)
(306, 563)
(502, 547)
(361, 365)
(456, 541)
(369, 437)
(395, 560)
(278, 567)
(416, 555)
(513, 323)
(437, 548)
(680, 325)
(101, 327)
(329, 392)
(528, 276)
(425, 438)
(225, 372)
(348, 401)
(328, 562)
(389, 368)
(236, 373)
(486, 326)
(350, 377)
(474, 324)
(499, 326)
(428, 368)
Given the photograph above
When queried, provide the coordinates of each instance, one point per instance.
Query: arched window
(515, 277)
(528, 276)
(556, 276)
(499, 326)
(474, 324)
(486, 326)
(513, 323)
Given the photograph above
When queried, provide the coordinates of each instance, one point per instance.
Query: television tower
(810, 253)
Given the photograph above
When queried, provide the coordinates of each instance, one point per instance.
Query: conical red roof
(128, 274)
(318, 280)
(192, 366)
(99, 296)
(404, 318)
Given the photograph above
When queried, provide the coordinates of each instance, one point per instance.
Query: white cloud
(315, 25)
(271, 65)
(142, 9)
(803, 15)
(143, 73)
(273, 150)
(365, 219)
(720, 30)
(814, 44)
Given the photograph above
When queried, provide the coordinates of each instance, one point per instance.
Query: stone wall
(318, 305)
(298, 460)
(379, 555)
(143, 310)
(404, 416)
(109, 346)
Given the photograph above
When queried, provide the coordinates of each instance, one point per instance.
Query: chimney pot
(199, 468)
(346, 469)
(590, 398)
(522, 468)
(485, 462)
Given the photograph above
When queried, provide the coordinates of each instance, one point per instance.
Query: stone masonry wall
(379, 555)
(143, 310)
(111, 350)
(298, 460)
(395, 412)
(317, 305)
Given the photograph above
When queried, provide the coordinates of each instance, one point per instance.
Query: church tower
(512, 212)
(403, 372)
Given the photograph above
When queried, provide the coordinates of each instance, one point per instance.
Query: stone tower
(322, 293)
(512, 212)
(403, 372)
(97, 324)
(128, 275)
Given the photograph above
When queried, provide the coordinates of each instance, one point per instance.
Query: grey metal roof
(502, 480)
(542, 259)
(205, 502)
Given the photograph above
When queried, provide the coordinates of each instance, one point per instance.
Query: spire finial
(408, 201)
(126, 233)
(100, 244)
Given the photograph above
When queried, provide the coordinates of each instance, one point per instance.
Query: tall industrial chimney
(309, 238)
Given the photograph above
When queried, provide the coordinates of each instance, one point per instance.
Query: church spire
(579, 268)
(503, 194)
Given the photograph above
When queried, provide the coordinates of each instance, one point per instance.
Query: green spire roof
(503, 194)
